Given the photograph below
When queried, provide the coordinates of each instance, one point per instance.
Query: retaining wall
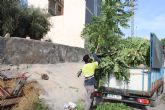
(24, 51)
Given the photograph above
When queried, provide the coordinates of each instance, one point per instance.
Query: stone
(45, 77)
(7, 35)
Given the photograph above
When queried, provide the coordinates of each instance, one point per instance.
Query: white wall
(66, 29)
(56, 33)
(74, 20)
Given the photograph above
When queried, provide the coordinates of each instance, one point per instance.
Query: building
(68, 18)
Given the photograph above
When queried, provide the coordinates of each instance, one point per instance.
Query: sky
(149, 17)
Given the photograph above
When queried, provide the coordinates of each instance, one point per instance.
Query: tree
(21, 21)
(107, 27)
(9, 12)
(163, 42)
(32, 22)
(104, 36)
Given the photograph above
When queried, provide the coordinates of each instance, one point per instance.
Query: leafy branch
(104, 36)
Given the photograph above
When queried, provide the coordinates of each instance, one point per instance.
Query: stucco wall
(23, 51)
(74, 21)
(66, 29)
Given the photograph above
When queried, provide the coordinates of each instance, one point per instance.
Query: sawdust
(8, 84)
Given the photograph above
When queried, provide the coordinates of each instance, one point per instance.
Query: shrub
(40, 105)
(112, 106)
(80, 105)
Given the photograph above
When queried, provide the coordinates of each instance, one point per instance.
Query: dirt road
(63, 85)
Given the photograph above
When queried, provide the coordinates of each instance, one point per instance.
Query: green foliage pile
(104, 37)
(112, 106)
(135, 51)
(131, 52)
(22, 21)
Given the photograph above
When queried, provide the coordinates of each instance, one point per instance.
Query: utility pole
(132, 18)
(95, 7)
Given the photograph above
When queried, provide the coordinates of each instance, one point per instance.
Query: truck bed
(141, 82)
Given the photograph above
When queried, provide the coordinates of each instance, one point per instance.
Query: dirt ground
(63, 85)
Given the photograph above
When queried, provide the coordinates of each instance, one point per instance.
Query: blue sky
(149, 17)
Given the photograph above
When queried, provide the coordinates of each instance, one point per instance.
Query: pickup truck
(144, 85)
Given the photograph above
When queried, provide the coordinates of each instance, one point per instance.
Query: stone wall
(24, 51)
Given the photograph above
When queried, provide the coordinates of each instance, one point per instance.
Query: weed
(80, 105)
(40, 105)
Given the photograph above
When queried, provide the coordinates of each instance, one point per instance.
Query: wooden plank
(7, 102)
(6, 93)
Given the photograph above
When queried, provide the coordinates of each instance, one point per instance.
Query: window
(55, 7)
(59, 9)
(51, 7)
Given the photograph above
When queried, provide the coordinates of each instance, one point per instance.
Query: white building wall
(74, 21)
(56, 33)
(66, 29)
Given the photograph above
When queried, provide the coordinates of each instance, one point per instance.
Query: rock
(27, 37)
(45, 77)
(7, 35)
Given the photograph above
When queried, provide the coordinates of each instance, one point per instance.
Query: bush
(80, 105)
(112, 106)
